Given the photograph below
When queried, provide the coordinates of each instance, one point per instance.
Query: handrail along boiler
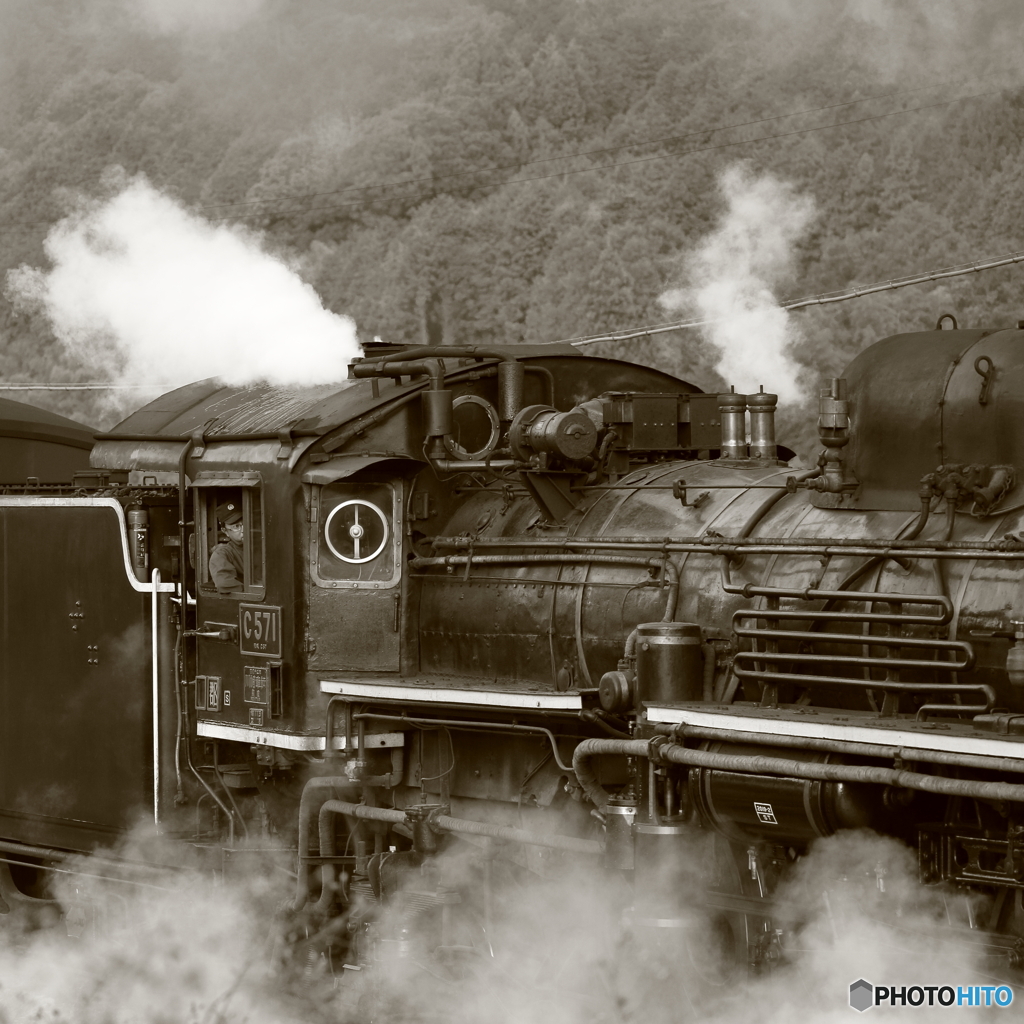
(556, 606)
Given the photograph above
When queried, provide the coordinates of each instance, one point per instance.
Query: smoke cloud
(731, 275)
(175, 946)
(144, 291)
(550, 946)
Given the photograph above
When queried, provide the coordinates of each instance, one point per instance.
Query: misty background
(513, 171)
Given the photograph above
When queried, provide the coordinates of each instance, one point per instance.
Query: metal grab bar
(868, 640)
(885, 685)
(749, 590)
(889, 664)
(891, 618)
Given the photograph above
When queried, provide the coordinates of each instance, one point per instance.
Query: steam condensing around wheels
(356, 531)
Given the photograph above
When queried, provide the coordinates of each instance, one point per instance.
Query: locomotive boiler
(547, 605)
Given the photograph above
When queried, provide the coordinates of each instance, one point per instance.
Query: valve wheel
(356, 531)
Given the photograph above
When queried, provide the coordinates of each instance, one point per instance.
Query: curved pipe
(589, 749)
(314, 793)
(468, 725)
(433, 368)
(915, 532)
(466, 352)
(771, 501)
(549, 379)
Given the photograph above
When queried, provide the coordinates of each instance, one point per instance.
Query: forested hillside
(529, 170)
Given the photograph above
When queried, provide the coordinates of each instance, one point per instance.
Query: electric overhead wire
(823, 299)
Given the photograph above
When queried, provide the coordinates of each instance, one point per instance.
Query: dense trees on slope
(412, 128)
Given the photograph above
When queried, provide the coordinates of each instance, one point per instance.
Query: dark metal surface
(75, 707)
(40, 444)
(897, 391)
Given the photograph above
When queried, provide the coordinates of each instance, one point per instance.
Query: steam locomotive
(544, 605)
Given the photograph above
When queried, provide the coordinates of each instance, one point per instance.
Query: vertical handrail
(154, 620)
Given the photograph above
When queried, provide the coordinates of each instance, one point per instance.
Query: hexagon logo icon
(862, 995)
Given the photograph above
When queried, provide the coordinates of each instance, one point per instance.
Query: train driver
(227, 559)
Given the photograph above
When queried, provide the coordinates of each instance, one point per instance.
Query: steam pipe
(510, 372)
(474, 465)
(591, 748)
(661, 750)
(179, 791)
(510, 380)
(771, 739)
(549, 379)
(443, 561)
(309, 804)
(48, 853)
(595, 717)
(710, 656)
(758, 545)
(183, 705)
(860, 639)
(757, 764)
(391, 367)
(440, 351)
(446, 823)
(182, 523)
(390, 406)
(915, 532)
(226, 788)
(468, 725)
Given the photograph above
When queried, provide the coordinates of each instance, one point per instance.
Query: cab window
(213, 505)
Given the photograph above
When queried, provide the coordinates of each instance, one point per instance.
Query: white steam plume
(729, 280)
(143, 291)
